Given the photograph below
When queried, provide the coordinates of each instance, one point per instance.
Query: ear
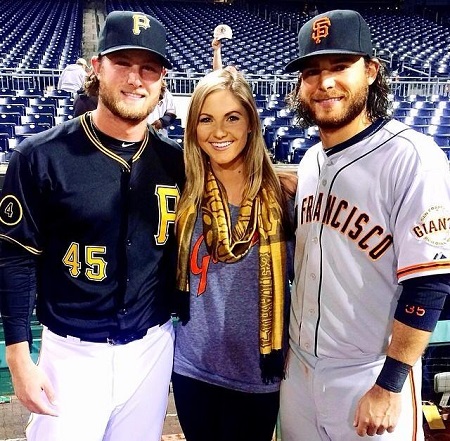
(372, 71)
(95, 62)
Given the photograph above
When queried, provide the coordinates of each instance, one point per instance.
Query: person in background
(84, 102)
(164, 113)
(313, 11)
(372, 247)
(217, 54)
(234, 228)
(86, 222)
(73, 76)
(217, 57)
(221, 31)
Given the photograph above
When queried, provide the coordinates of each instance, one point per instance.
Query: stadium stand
(416, 49)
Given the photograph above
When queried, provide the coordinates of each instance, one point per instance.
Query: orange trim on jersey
(414, 406)
(432, 266)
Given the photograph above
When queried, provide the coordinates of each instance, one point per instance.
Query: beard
(358, 102)
(136, 113)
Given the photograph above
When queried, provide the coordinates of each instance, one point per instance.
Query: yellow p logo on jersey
(140, 21)
(168, 197)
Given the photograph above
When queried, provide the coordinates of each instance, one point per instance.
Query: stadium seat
(442, 140)
(56, 93)
(42, 108)
(59, 119)
(401, 104)
(4, 142)
(38, 118)
(4, 92)
(7, 128)
(424, 105)
(443, 130)
(30, 93)
(286, 112)
(14, 100)
(422, 112)
(283, 120)
(175, 131)
(415, 98)
(418, 121)
(443, 104)
(263, 113)
(44, 100)
(12, 108)
(10, 118)
(270, 132)
(64, 111)
(282, 149)
(65, 101)
(25, 130)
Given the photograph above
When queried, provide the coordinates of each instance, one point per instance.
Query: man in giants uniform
(373, 247)
(86, 222)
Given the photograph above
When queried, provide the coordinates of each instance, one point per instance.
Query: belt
(122, 339)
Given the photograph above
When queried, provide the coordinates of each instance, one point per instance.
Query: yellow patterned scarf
(229, 245)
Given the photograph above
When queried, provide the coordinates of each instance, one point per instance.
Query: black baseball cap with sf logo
(334, 32)
(133, 30)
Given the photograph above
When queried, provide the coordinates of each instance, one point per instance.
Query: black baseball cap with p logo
(334, 32)
(133, 30)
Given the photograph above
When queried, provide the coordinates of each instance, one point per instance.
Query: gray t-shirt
(220, 343)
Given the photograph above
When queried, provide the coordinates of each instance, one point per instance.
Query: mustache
(328, 96)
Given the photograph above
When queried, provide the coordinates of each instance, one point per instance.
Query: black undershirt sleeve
(167, 119)
(17, 292)
(422, 300)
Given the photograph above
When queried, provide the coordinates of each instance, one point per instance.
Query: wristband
(393, 375)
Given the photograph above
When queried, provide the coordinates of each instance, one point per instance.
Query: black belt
(122, 339)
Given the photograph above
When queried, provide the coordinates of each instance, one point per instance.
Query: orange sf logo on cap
(140, 21)
(320, 29)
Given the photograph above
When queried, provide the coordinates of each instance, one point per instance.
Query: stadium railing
(183, 83)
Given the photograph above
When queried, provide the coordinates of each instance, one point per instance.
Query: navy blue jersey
(101, 228)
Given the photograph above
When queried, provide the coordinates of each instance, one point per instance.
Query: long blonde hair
(258, 168)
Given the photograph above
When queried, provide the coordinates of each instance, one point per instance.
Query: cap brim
(164, 60)
(296, 65)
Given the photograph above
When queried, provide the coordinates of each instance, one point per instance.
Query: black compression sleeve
(421, 301)
(17, 292)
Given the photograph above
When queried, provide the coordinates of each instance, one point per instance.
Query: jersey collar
(368, 131)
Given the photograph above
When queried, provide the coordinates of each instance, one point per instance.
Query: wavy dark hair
(378, 103)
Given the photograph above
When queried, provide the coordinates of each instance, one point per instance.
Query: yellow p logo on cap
(140, 21)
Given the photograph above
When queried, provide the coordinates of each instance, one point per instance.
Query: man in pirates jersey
(86, 222)
(372, 250)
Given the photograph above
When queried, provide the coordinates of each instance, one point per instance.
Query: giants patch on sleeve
(10, 210)
(434, 226)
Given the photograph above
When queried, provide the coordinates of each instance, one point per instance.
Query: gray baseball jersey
(372, 212)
